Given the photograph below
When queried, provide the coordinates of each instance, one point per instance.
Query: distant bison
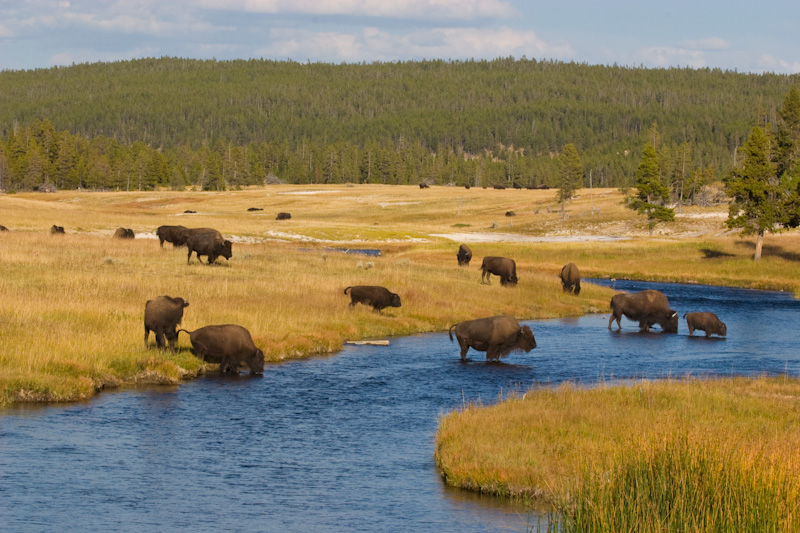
(503, 267)
(497, 336)
(705, 321)
(464, 255)
(283, 216)
(3, 228)
(255, 209)
(161, 316)
(466, 185)
(571, 279)
(510, 214)
(378, 297)
(190, 212)
(499, 187)
(177, 235)
(648, 307)
(229, 345)
(56, 230)
(210, 244)
(124, 233)
(424, 185)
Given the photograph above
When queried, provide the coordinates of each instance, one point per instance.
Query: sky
(745, 36)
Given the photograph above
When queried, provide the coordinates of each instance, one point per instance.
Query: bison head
(395, 300)
(256, 362)
(227, 251)
(671, 324)
(525, 339)
(723, 329)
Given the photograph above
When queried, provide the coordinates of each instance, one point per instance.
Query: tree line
(215, 124)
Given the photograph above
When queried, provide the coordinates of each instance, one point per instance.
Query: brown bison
(255, 209)
(56, 230)
(124, 233)
(503, 267)
(177, 235)
(705, 321)
(208, 243)
(378, 297)
(229, 345)
(571, 279)
(161, 316)
(497, 336)
(283, 216)
(464, 255)
(648, 307)
(3, 228)
(424, 185)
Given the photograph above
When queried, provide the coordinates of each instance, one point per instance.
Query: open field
(693, 455)
(71, 306)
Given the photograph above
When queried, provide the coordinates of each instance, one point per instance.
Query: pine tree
(651, 193)
(571, 177)
(758, 199)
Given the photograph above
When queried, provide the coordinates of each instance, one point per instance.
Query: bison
(283, 216)
(255, 209)
(424, 185)
(229, 345)
(177, 235)
(161, 316)
(464, 255)
(503, 267)
(705, 321)
(124, 233)
(3, 228)
(497, 336)
(378, 297)
(56, 230)
(648, 307)
(571, 279)
(209, 243)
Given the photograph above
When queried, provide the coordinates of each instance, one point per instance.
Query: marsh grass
(710, 455)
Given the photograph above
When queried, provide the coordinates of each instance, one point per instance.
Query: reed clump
(674, 455)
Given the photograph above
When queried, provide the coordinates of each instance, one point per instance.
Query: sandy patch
(305, 193)
(511, 237)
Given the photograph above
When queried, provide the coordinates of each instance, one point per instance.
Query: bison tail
(684, 315)
(450, 332)
(181, 329)
(347, 289)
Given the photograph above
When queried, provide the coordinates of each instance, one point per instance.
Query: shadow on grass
(771, 250)
(714, 254)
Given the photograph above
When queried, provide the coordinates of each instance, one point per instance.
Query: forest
(171, 122)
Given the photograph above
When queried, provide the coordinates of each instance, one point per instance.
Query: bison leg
(491, 353)
(611, 319)
(160, 338)
(211, 258)
(146, 335)
(190, 256)
(576, 290)
(485, 274)
(464, 348)
(172, 336)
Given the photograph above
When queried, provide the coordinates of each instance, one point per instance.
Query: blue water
(340, 443)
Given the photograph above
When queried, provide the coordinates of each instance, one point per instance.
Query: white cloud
(665, 56)
(769, 63)
(414, 9)
(373, 44)
(709, 43)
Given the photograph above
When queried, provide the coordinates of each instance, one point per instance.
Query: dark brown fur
(161, 316)
(707, 322)
(229, 345)
(497, 336)
(3, 228)
(56, 230)
(464, 255)
(648, 307)
(571, 279)
(283, 216)
(124, 233)
(377, 297)
(503, 267)
(210, 244)
(177, 235)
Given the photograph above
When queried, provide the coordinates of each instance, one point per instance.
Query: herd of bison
(232, 346)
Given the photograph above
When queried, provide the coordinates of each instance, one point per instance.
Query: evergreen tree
(651, 193)
(758, 198)
(571, 177)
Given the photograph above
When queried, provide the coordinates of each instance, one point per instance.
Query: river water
(345, 442)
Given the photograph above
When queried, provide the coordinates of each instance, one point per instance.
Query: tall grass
(693, 455)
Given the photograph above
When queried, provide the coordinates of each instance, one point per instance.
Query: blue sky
(735, 35)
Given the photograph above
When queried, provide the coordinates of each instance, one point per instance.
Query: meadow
(71, 305)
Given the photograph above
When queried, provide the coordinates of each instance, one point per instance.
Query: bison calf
(707, 322)
(229, 345)
(378, 297)
(497, 336)
(283, 216)
(161, 316)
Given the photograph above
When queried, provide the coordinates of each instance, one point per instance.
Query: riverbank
(676, 455)
(72, 304)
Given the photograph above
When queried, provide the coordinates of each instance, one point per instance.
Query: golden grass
(614, 455)
(71, 306)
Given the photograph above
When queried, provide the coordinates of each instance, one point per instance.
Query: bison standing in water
(497, 336)
(707, 322)
(229, 345)
(571, 279)
(378, 297)
(648, 307)
(464, 255)
(210, 244)
(503, 267)
(161, 316)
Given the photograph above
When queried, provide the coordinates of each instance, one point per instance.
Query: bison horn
(674, 314)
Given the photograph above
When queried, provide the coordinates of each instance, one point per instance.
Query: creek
(344, 442)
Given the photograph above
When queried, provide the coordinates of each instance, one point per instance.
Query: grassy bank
(71, 306)
(692, 455)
